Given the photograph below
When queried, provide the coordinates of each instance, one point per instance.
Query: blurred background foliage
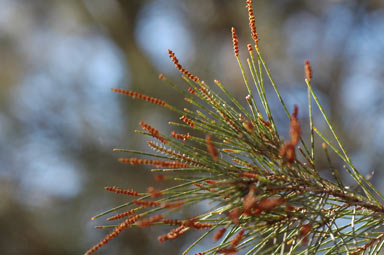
(59, 119)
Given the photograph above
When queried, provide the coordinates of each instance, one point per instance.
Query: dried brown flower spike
(287, 150)
(211, 148)
(219, 234)
(294, 128)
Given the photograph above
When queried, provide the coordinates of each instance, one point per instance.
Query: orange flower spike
(219, 234)
(162, 238)
(180, 67)
(156, 163)
(191, 90)
(146, 203)
(270, 203)
(122, 215)
(211, 148)
(132, 161)
(172, 222)
(198, 225)
(252, 23)
(180, 136)
(140, 96)
(304, 231)
(148, 222)
(190, 222)
(122, 191)
(308, 70)
(177, 155)
(237, 239)
(234, 215)
(115, 232)
(250, 200)
(177, 232)
(133, 219)
(235, 42)
(172, 205)
(154, 193)
(294, 129)
(174, 233)
(154, 132)
(187, 121)
(291, 153)
(287, 152)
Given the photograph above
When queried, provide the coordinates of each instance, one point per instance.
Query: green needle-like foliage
(263, 199)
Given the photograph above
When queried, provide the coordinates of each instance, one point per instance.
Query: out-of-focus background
(59, 119)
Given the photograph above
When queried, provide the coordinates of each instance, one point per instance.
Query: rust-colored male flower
(294, 127)
(235, 42)
(308, 70)
(252, 23)
(211, 148)
(140, 96)
(181, 68)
